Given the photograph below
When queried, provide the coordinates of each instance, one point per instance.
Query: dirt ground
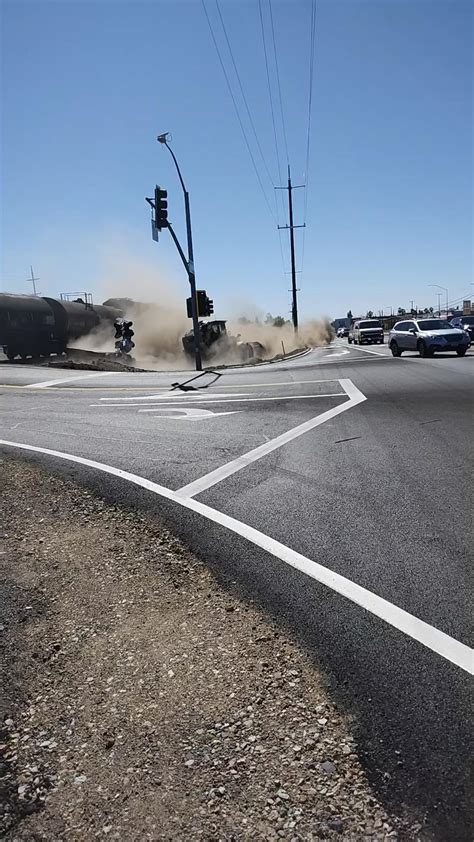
(143, 702)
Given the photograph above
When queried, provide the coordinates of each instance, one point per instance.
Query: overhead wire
(272, 111)
(269, 89)
(237, 111)
(310, 97)
(243, 95)
(254, 129)
(278, 81)
(308, 134)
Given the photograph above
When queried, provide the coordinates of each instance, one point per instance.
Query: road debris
(143, 701)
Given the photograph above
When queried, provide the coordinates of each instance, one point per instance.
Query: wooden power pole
(291, 227)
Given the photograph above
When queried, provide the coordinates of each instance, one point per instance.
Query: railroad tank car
(27, 327)
(75, 319)
(32, 326)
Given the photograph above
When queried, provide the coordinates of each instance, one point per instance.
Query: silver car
(427, 336)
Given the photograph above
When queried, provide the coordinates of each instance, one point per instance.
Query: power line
(272, 111)
(308, 137)
(310, 98)
(237, 110)
(269, 90)
(243, 95)
(278, 82)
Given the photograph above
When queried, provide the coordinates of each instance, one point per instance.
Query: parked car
(342, 331)
(365, 331)
(465, 323)
(427, 336)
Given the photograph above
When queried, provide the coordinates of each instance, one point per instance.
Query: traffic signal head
(161, 208)
(201, 302)
(205, 305)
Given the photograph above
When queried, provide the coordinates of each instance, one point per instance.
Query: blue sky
(88, 85)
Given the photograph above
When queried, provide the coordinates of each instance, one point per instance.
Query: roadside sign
(466, 307)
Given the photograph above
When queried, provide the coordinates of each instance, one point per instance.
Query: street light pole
(447, 297)
(163, 139)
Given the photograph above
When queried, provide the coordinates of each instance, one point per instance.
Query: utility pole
(291, 227)
(294, 305)
(439, 297)
(32, 280)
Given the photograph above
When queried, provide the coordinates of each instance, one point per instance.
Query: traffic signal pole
(190, 262)
(192, 282)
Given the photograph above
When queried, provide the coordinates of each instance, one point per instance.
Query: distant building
(337, 323)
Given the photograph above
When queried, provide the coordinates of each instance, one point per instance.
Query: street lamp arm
(189, 263)
(164, 142)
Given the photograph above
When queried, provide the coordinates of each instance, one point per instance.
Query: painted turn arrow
(187, 413)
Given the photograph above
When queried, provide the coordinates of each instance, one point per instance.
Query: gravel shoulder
(142, 701)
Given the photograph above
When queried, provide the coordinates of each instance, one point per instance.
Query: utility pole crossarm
(287, 227)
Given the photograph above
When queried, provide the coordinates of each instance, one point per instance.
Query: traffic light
(205, 305)
(201, 302)
(161, 208)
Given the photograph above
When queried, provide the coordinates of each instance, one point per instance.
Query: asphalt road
(358, 462)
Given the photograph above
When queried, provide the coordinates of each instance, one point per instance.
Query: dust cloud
(282, 340)
(159, 322)
(158, 315)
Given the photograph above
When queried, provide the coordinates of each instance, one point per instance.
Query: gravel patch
(142, 701)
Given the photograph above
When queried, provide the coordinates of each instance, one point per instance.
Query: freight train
(34, 326)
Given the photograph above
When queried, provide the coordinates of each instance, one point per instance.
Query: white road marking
(329, 361)
(228, 400)
(366, 351)
(277, 383)
(200, 485)
(63, 380)
(437, 641)
(187, 413)
(167, 396)
(337, 353)
(215, 391)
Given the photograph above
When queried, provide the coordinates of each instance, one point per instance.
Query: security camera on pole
(160, 221)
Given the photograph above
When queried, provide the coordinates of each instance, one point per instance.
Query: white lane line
(44, 384)
(215, 391)
(227, 400)
(277, 383)
(172, 396)
(201, 484)
(366, 351)
(431, 637)
(329, 361)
